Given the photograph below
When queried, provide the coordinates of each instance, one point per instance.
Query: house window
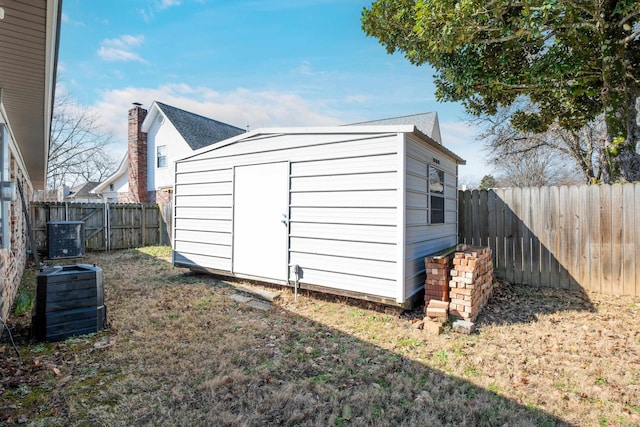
(436, 195)
(161, 152)
(4, 177)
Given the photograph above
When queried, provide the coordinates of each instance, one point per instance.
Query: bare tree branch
(78, 151)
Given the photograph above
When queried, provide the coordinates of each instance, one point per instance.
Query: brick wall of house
(137, 156)
(160, 196)
(13, 259)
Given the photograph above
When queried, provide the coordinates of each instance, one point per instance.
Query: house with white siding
(350, 210)
(156, 138)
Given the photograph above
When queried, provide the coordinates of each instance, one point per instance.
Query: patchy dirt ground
(180, 351)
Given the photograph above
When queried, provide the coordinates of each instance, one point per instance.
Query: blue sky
(248, 63)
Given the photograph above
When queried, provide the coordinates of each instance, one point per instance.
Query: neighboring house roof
(426, 123)
(198, 131)
(104, 185)
(29, 40)
(83, 191)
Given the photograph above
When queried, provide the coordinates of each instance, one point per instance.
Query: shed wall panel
(343, 218)
(212, 250)
(221, 175)
(340, 215)
(374, 285)
(200, 260)
(347, 182)
(359, 267)
(215, 237)
(349, 232)
(210, 188)
(349, 199)
(351, 165)
(306, 151)
(422, 238)
(220, 213)
(213, 225)
(363, 250)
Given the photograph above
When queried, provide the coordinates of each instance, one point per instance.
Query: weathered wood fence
(107, 226)
(564, 237)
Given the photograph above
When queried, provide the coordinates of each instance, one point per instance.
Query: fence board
(584, 237)
(518, 254)
(605, 239)
(535, 226)
(565, 212)
(491, 216)
(629, 250)
(544, 233)
(616, 240)
(585, 213)
(573, 228)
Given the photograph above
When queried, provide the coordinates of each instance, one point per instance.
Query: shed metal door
(260, 220)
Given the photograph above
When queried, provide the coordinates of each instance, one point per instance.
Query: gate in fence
(107, 226)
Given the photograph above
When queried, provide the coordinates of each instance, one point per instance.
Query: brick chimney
(137, 151)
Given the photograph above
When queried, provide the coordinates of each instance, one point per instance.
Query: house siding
(163, 132)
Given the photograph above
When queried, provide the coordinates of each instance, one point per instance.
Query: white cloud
(240, 107)
(68, 21)
(165, 4)
(121, 48)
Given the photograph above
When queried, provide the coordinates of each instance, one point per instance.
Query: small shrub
(24, 303)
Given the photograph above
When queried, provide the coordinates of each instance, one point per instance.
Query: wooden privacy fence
(563, 237)
(107, 226)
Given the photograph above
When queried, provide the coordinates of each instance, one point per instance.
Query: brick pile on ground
(471, 282)
(436, 286)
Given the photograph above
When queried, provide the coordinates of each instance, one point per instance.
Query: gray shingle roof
(425, 122)
(198, 131)
(83, 190)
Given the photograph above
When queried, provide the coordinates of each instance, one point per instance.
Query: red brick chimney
(137, 151)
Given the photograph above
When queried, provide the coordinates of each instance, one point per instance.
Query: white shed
(350, 210)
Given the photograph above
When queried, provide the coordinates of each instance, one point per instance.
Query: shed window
(162, 156)
(436, 195)
(4, 177)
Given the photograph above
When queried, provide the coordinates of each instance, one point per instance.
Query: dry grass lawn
(179, 351)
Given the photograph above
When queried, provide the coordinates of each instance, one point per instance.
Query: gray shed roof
(198, 131)
(426, 123)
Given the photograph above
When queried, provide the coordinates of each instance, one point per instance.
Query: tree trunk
(619, 99)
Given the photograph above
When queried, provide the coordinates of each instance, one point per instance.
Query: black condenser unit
(69, 301)
(65, 239)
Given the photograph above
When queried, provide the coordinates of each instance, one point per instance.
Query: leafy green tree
(574, 60)
(487, 182)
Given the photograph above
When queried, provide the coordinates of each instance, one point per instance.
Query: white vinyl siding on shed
(343, 207)
(203, 218)
(423, 238)
(358, 206)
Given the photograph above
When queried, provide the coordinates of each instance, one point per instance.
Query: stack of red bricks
(437, 284)
(471, 282)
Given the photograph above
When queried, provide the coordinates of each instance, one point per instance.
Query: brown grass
(179, 351)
